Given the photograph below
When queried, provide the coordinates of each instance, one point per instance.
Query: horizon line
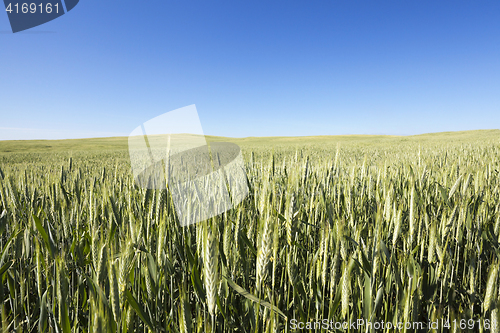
(271, 136)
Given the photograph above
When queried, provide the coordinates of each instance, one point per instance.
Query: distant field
(121, 143)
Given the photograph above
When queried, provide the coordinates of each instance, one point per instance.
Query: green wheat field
(382, 228)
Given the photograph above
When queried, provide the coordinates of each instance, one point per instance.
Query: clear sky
(255, 68)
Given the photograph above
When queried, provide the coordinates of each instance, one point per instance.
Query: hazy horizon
(270, 136)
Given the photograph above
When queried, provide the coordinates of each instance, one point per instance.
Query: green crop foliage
(397, 229)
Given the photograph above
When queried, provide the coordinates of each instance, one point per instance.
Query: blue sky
(255, 68)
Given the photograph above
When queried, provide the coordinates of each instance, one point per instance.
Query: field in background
(121, 143)
(379, 228)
